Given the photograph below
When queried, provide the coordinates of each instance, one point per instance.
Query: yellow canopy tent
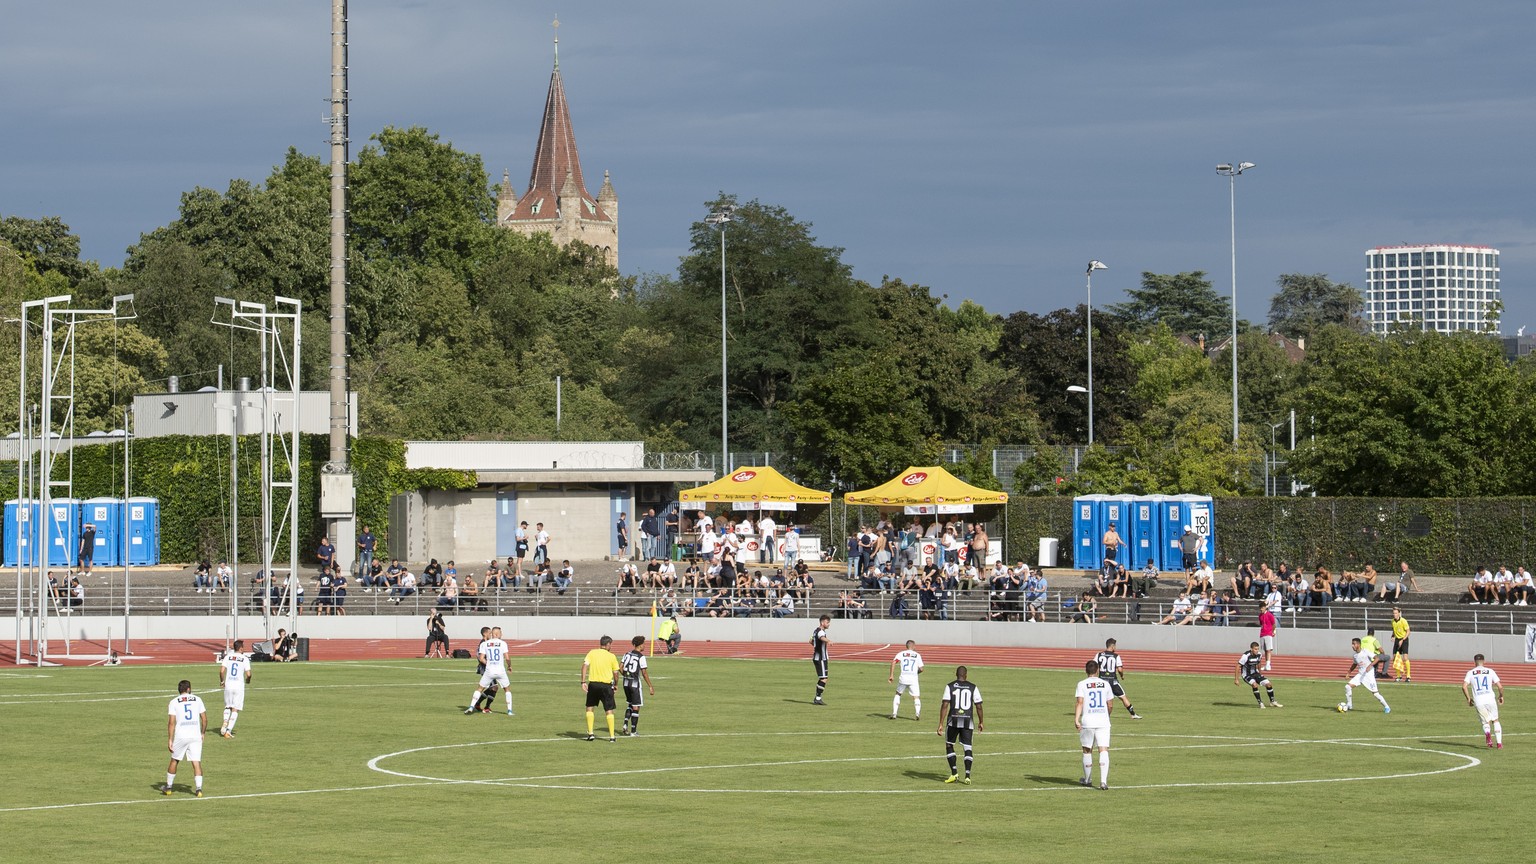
(929, 487)
(757, 488)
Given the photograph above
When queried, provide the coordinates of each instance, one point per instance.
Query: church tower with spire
(557, 202)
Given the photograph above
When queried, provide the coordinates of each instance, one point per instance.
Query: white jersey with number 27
(908, 663)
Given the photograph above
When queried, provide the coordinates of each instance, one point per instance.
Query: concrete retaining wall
(1084, 637)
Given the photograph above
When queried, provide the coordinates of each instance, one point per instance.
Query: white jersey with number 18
(494, 652)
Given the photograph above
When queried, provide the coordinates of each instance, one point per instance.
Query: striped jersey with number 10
(1109, 664)
(963, 697)
(630, 665)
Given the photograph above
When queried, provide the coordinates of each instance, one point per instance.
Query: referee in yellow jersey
(599, 673)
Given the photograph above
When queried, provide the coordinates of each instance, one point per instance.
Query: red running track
(1426, 671)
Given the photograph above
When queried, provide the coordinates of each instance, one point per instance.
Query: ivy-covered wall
(189, 474)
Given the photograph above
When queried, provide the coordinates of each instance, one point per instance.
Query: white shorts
(1488, 710)
(1268, 642)
(1094, 736)
(499, 677)
(234, 698)
(190, 749)
(904, 687)
(1365, 678)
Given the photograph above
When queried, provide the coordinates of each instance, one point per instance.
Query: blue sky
(987, 150)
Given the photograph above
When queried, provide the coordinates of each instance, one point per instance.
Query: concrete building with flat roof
(1445, 288)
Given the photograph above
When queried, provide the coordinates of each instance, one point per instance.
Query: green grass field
(373, 761)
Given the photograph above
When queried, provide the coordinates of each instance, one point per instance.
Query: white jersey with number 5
(1096, 696)
(188, 710)
(1480, 681)
(908, 663)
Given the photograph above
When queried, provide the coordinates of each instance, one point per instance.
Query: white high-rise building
(1443, 287)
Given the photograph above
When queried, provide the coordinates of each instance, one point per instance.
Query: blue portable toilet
(1199, 513)
(20, 532)
(107, 515)
(63, 531)
(1116, 509)
(1144, 535)
(1087, 528)
(143, 546)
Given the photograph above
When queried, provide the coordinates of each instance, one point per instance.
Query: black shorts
(1400, 646)
(632, 694)
(1256, 679)
(599, 693)
(953, 733)
(522, 549)
(1115, 688)
(821, 668)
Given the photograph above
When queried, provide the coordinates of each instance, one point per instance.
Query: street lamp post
(1230, 172)
(1092, 266)
(721, 218)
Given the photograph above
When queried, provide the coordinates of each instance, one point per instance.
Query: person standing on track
(821, 647)
(911, 665)
(1362, 672)
(185, 727)
(234, 674)
(1402, 667)
(1267, 622)
(1112, 669)
(1484, 692)
(1090, 717)
(1251, 669)
(962, 699)
(633, 668)
(599, 671)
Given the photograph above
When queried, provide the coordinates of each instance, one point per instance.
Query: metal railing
(836, 600)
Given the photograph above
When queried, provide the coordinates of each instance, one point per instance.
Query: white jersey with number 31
(1096, 695)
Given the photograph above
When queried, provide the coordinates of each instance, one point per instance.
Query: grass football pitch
(374, 761)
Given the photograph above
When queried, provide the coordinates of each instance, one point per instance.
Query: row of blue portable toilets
(127, 531)
(1150, 526)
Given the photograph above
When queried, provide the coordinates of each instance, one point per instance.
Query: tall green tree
(48, 244)
(1305, 303)
(1185, 302)
(1042, 355)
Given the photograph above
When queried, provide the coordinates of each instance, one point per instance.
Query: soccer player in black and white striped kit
(1111, 669)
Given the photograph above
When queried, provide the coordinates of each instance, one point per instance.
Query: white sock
(229, 722)
(1486, 728)
(917, 706)
(896, 703)
(508, 691)
(170, 779)
(226, 718)
(1087, 767)
(199, 781)
(1380, 698)
(1498, 732)
(1103, 767)
(1349, 696)
(475, 699)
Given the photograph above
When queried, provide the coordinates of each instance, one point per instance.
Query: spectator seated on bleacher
(719, 604)
(431, 575)
(850, 605)
(1086, 611)
(449, 597)
(563, 577)
(1179, 612)
(201, 580)
(406, 588)
(469, 595)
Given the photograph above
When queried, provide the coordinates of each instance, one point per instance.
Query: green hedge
(1434, 535)
(189, 474)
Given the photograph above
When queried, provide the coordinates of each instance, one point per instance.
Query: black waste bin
(302, 648)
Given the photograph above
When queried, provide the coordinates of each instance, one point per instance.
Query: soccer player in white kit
(493, 653)
(1362, 671)
(234, 674)
(910, 664)
(185, 727)
(1484, 692)
(1091, 717)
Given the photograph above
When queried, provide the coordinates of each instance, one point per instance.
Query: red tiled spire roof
(554, 160)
